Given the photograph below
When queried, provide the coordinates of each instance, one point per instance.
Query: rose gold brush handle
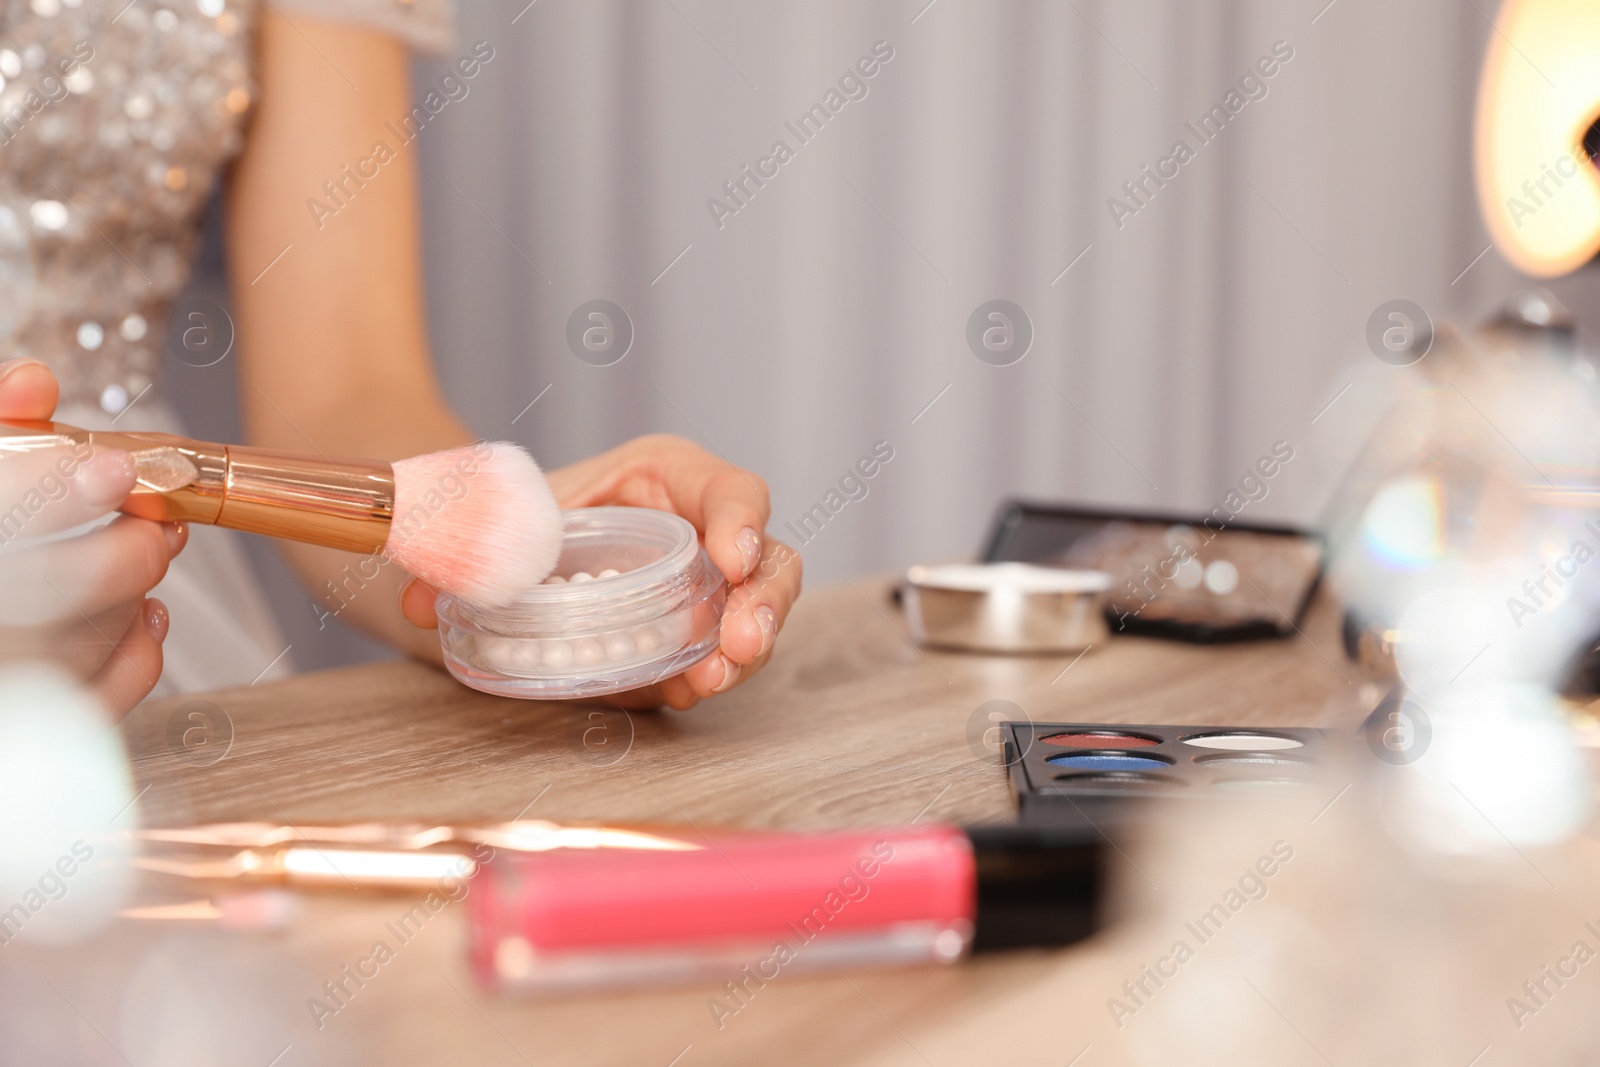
(345, 503)
(311, 865)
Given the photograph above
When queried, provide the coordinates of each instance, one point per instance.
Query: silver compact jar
(634, 599)
(1006, 607)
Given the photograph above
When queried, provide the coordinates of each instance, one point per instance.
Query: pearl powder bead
(646, 639)
(502, 654)
(555, 579)
(524, 656)
(588, 653)
(528, 655)
(609, 572)
(583, 576)
(618, 646)
(675, 629)
(557, 655)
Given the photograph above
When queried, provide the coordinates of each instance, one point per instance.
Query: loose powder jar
(634, 600)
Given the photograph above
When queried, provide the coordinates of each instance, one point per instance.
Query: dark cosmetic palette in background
(1071, 773)
(1268, 573)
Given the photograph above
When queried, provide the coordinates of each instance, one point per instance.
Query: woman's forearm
(332, 341)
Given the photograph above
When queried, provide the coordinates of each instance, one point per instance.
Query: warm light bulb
(1538, 188)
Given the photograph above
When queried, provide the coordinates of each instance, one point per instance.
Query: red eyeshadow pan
(1094, 740)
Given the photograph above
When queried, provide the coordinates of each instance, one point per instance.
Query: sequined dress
(117, 119)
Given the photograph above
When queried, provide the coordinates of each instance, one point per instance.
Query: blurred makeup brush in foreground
(478, 521)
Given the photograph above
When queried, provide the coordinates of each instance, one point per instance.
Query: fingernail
(105, 478)
(767, 622)
(156, 619)
(11, 366)
(177, 536)
(730, 676)
(749, 542)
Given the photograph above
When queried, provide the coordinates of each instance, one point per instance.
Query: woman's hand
(77, 601)
(729, 506)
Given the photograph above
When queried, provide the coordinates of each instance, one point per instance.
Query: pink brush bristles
(479, 522)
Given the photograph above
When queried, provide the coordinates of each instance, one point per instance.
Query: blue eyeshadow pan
(1105, 761)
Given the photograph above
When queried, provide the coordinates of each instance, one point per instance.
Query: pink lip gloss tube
(678, 906)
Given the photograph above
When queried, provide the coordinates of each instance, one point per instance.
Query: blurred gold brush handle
(344, 503)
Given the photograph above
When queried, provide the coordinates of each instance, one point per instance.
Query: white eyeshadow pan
(1234, 742)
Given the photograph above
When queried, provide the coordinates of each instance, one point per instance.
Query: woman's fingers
(54, 489)
(416, 604)
(727, 504)
(82, 576)
(27, 390)
(135, 663)
(678, 695)
(675, 693)
(758, 607)
(735, 506)
(90, 583)
(79, 646)
(717, 673)
(750, 623)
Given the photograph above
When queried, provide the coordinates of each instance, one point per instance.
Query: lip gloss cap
(1037, 886)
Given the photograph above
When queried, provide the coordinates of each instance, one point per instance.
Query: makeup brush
(478, 521)
(366, 855)
(264, 909)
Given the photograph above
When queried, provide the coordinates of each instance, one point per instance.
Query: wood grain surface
(850, 725)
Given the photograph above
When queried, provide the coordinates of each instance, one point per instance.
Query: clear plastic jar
(656, 612)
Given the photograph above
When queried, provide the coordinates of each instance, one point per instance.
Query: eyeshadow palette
(1181, 577)
(1067, 772)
